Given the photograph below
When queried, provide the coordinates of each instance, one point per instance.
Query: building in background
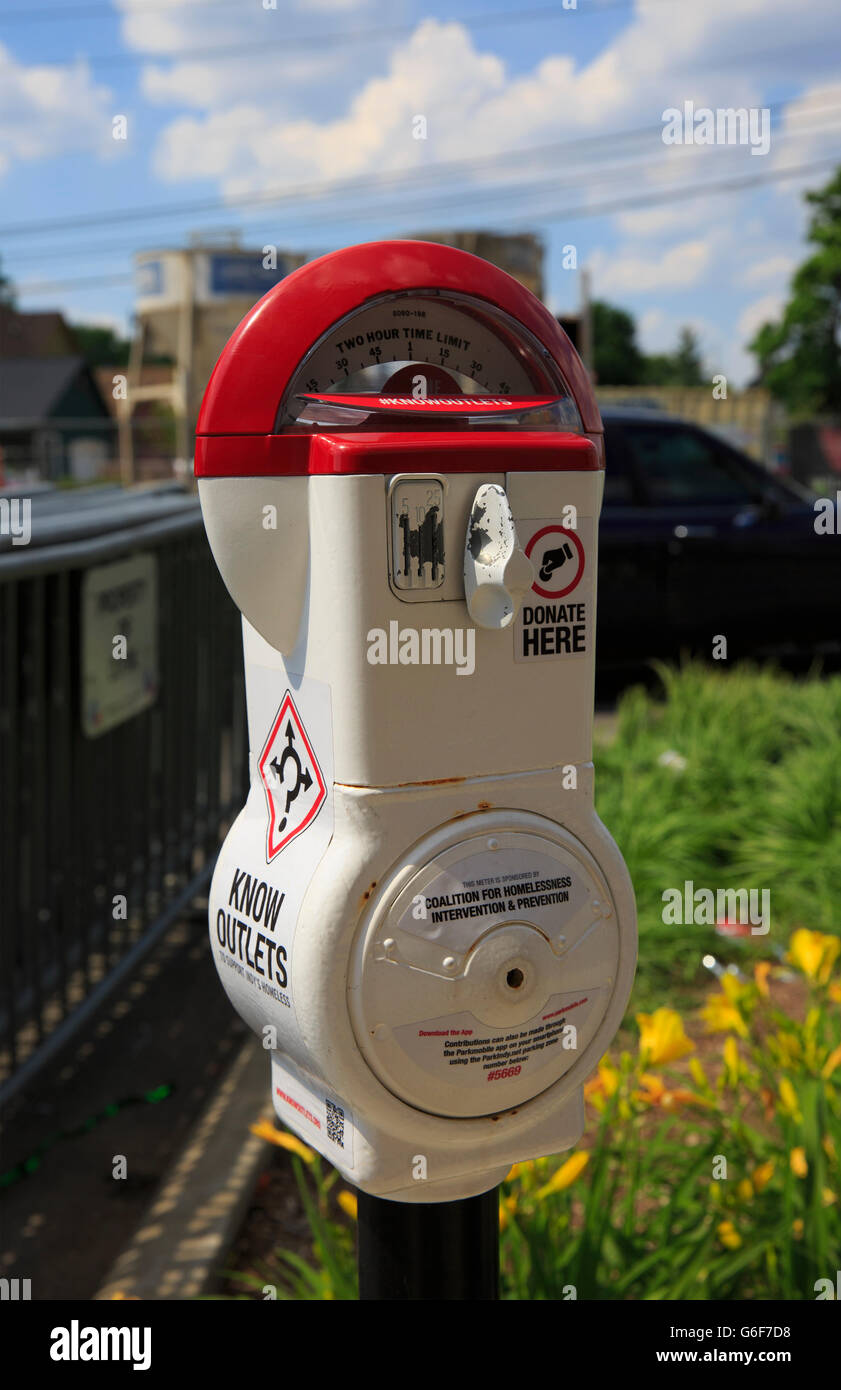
(579, 326)
(189, 301)
(54, 421)
(521, 254)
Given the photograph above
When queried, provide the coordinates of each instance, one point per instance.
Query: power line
(59, 12)
(443, 204)
(365, 184)
(330, 39)
(341, 37)
(90, 11)
(322, 189)
(692, 191)
(679, 193)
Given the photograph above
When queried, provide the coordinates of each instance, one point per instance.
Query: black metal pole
(415, 1251)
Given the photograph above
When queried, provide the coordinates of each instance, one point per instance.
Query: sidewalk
(66, 1222)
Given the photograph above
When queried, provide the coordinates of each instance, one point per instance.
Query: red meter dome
(387, 337)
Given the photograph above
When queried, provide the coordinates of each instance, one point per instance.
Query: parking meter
(400, 465)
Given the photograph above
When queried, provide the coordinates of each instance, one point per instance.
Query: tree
(100, 346)
(617, 360)
(7, 291)
(687, 361)
(800, 357)
(683, 367)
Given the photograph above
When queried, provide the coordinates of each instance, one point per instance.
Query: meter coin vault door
(400, 466)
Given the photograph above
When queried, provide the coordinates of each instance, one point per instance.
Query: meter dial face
(428, 343)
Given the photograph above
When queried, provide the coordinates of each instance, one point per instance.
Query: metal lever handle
(497, 574)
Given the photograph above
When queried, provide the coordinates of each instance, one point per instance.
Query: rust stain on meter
(432, 782)
(366, 895)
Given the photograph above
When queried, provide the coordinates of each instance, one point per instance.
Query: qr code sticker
(335, 1123)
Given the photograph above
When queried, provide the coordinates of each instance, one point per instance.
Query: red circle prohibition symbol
(571, 535)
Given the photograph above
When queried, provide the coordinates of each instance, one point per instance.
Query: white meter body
(400, 468)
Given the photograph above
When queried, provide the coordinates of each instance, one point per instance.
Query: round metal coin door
(481, 962)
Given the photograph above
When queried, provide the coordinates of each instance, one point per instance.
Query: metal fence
(133, 816)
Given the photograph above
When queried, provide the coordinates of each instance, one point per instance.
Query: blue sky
(552, 117)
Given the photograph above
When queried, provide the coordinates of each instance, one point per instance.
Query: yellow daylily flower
(728, 1235)
(744, 1190)
(507, 1207)
(655, 1092)
(731, 1060)
(788, 1100)
(264, 1129)
(601, 1087)
(829, 1148)
(761, 971)
(736, 990)
(762, 1175)
(785, 1048)
(828, 1196)
(832, 1061)
(662, 1037)
(798, 1163)
(519, 1170)
(699, 1076)
(348, 1203)
(835, 992)
(814, 953)
(566, 1174)
(797, 1227)
(721, 1015)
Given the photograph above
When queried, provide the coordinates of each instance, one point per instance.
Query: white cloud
(47, 111)
(310, 114)
(772, 268)
(765, 310)
(658, 331)
(638, 272)
(810, 125)
(655, 330)
(264, 53)
(246, 148)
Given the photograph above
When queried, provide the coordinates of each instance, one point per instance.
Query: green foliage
(683, 367)
(331, 1272)
(617, 359)
(7, 290)
(757, 805)
(654, 1215)
(800, 357)
(100, 346)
